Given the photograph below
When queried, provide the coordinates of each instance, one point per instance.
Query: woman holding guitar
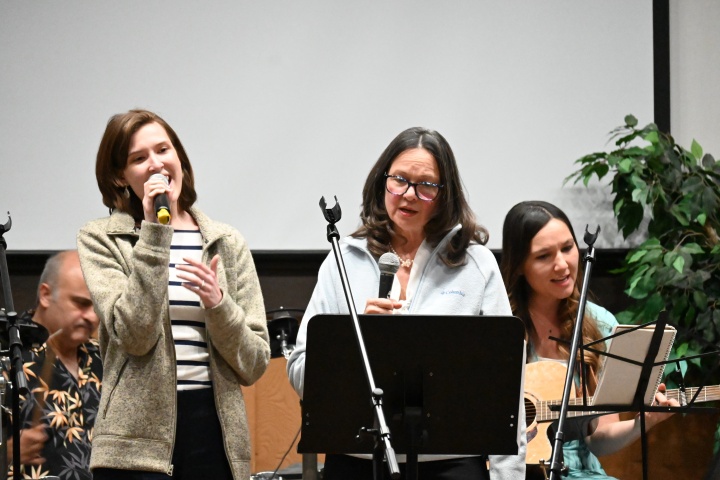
(540, 266)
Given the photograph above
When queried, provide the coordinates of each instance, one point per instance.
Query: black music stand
(646, 363)
(452, 384)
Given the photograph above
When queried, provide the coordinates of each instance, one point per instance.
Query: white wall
(279, 103)
(695, 73)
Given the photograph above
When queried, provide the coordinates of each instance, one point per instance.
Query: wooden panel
(680, 447)
(274, 417)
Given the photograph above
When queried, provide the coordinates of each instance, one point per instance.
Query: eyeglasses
(423, 190)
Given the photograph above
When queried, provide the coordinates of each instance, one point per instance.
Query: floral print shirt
(68, 408)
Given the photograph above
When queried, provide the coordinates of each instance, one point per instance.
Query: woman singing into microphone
(182, 317)
(415, 207)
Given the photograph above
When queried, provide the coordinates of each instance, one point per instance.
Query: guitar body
(543, 380)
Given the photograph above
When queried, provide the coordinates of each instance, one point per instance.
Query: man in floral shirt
(59, 413)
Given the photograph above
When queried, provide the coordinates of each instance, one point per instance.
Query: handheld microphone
(389, 264)
(162, 205)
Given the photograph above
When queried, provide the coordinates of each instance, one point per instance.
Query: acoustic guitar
(545, 379)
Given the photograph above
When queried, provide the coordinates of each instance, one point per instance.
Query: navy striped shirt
(187, 316)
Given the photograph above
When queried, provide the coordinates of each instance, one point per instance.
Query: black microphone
(389, 264)
(162, 206)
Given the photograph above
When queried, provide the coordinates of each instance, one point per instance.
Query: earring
(126, 193)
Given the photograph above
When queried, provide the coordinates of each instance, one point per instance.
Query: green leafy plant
(677, 269)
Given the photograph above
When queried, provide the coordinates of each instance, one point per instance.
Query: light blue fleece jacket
(472, 289)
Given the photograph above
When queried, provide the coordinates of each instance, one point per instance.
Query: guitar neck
(707, 394)
(545, 414)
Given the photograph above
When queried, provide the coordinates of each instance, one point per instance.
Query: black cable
(285, 454)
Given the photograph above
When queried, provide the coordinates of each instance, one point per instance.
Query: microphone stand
(380, 430)
(19, 386)
(556, 464)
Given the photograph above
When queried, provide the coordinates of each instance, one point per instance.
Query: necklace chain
(407, 263)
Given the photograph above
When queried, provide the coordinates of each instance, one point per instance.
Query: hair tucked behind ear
(522, 223)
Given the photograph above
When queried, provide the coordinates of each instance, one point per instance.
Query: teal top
(581, 462)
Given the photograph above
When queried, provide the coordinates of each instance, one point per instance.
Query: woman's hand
(202, 280)
(613, 435)
(381, 305)
(653, 418)
(153, 187)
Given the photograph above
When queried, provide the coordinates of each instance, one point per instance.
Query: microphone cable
(285, 454)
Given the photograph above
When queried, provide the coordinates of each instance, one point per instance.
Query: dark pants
(199, 450)
(345, 467)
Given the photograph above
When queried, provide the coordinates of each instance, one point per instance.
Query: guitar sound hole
(530, 411)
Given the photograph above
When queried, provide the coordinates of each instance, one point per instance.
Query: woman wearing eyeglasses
(414, 206)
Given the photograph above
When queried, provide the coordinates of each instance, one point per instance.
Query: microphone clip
(3, 229)
(591, 237)
(332, 215)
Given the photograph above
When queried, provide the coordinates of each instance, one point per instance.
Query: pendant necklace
(407, 263)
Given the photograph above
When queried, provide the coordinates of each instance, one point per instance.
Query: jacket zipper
(112, 392)
(171, 467)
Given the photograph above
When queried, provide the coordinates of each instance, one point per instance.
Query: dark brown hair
(522, 223)
(451, 206)
(112, 158)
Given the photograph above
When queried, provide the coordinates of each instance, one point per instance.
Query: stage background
(279, 103)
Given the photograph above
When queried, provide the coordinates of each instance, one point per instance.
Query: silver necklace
(407, 263)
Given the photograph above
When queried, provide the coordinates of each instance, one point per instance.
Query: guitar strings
(542, 412)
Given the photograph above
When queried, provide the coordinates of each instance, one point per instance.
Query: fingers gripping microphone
(389, 264)
(162, 205)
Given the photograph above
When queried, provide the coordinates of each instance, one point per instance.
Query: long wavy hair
(522, 223)
(112, 158)
(451, 205)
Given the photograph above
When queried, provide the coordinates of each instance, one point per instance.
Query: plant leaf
(653, 256)
(696, 150)
(701, 301)
(625, 165)
(708, 161)
(639, 195)
(629, 218)
(637, 255)
(679, 264)
(652, 137)
(601, 170)
(692, 248)
(618, 205)
(653, 306)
